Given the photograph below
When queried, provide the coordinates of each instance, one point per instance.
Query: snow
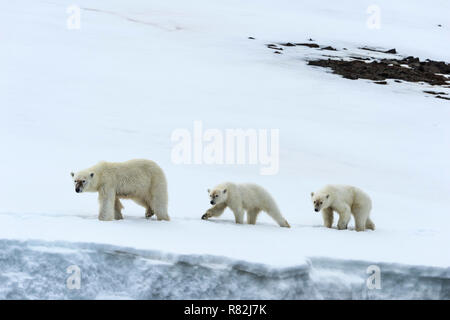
(110, 272)
(117, 88)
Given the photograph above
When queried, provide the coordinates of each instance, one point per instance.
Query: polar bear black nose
(316, 210)
(212, 202)
(77, 190)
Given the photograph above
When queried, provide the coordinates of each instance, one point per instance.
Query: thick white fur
(243, 197)
(140, 180)
(346, 201)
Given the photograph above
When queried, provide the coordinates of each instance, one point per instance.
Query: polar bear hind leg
(252, 215)
(148, 212)
(118, 209)
(369, 224)
(275, 214)
(360, 223)
(362, 220)
(157, 204)
(158, 208)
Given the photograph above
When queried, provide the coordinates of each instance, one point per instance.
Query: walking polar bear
(140, 180)
(345, 200)
(243, 197)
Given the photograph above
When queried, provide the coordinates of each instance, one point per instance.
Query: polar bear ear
(312, 194)
(72, 174)
(224, 190)
(91, 175)
(328, 196)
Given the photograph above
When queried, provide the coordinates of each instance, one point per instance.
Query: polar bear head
(320, 200)
(218, 195)
(84, 181)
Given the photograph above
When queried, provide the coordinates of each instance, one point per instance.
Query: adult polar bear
(345, 200)
(239, 197)
(140, 180)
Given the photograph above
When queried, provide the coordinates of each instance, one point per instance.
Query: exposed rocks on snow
(383, 65)
(329, 48)
(391, 51)
(274, 47)
(408, 69)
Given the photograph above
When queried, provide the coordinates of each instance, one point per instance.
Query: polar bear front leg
(327, 215)
(215, 211)
(238, 215)
(106, 200)
(344, 217)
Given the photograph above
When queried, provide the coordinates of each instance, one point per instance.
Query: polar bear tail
(369, 224)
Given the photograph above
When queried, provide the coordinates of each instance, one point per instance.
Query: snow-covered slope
(138, 70)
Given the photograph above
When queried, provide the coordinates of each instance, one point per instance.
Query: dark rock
(391, 61)
(251, 38)
(273, 46)
(411, 59)
(434, 92)
(287, 44)
(369, 49)
(329, 48)
(391, 51)
(359, 58)
(310, 45)
(427, 71)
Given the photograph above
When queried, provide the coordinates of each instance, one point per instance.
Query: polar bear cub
(243, 197)
(140, 180)
(345, 200)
